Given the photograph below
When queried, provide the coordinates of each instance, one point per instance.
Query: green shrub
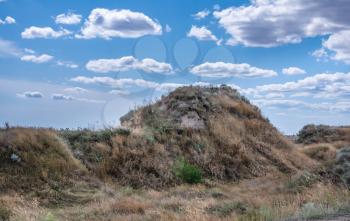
(187, 172)
(49, 217)
(304, 180)
(4, 214)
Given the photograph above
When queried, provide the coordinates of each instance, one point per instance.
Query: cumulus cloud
(116, 83)
(107, 24)
(68, 19)
(44, 32)
(267, 23)
(340, 45)
(67, 64)
(222, 70)
(31, 94)
(202, 34)
(201, 14)
(320, 86)
(7, 20)
(128, 82)
(293, 71)
(128, 63)
(37, 59)
(338, 106)
(320, 54)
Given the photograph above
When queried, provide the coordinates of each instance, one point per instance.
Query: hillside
(199, 153)
(217, 130)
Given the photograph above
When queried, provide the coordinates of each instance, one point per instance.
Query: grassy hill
(200, 153)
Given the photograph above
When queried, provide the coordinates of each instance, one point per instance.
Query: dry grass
(322, 152)
(250, 171)
(260, 199)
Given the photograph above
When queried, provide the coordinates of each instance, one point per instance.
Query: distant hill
(323, 134)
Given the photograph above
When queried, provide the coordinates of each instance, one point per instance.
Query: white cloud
(301, 94)
(7, 20)
(29, 51)
(320, 54)
(340, 45)
(129, 63)
(61, 97)
(116, 83)
(202, 34)
(221, 69)
(216, 7)
(67, 64)
(201, 14)
(128, 82)
(320, 86)
(338, 106)
(68, 19)
(43, 32)
(293, 71)
(9, 49)
(104, 23)
(75, 90)
(167, 28)
(37, 59)
(267, 23)
(119, 92)
(319, 82)
(31, 94)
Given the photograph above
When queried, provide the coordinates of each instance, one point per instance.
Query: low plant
(4, 214)
(302, 181)
(187, 172)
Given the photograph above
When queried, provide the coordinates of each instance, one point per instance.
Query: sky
(70, 64)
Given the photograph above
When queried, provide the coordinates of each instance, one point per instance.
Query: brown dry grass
(260, 199)
(323, 152)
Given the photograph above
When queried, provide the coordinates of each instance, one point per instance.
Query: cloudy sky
(86, 63)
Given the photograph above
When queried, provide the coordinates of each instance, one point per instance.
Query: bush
(4, 214)
(302, 181)
(187, 172)
(49, 217)
(314, 211)
(342, 165)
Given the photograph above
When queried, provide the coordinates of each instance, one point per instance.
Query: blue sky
(86, 63)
